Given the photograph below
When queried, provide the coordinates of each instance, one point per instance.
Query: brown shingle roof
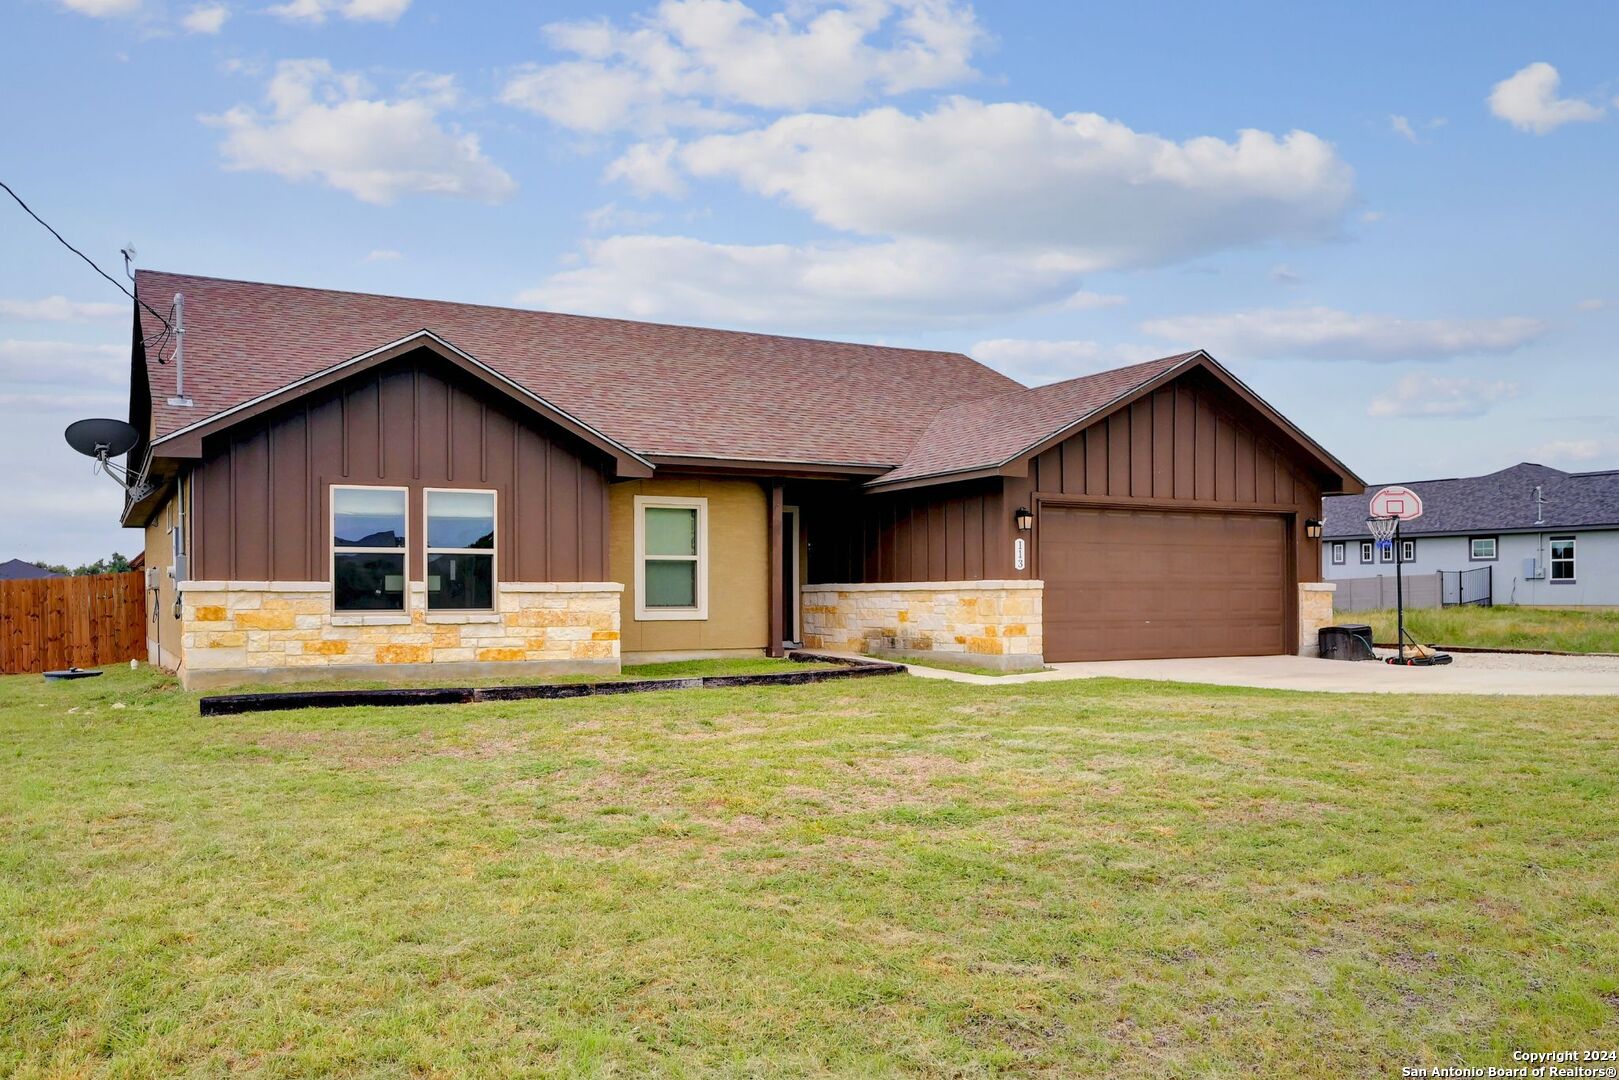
(991, 431)
(657, 389)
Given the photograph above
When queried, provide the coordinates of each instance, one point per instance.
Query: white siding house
(1559, 549)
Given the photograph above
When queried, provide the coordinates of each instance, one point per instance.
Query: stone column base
(1315, 611)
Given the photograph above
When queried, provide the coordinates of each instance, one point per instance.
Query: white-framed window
(370, 528)
(460, 528)
(1338, 555)
(1408, 551)
(1481, 549)
(1366, 549)
(1385, 553)
(1562, 559)
(671, 557)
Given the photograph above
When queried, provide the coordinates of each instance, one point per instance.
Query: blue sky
(1395, 222)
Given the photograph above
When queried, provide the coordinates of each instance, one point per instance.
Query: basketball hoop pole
(1399, 597)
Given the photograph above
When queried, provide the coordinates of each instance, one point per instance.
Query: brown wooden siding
(1192, 442)
(261, 490)
(933, 534)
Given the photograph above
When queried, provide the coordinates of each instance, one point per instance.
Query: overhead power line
(167, 327)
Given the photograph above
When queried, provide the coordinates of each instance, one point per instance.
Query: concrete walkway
(1469, 674)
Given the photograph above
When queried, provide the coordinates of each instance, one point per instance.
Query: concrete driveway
(1470, 674)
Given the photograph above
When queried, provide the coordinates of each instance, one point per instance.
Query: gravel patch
(1527, 662)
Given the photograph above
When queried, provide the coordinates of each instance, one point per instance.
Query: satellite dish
(101, 437)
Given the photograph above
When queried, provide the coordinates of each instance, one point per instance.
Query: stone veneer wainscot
(1315, 611)
(275, 631)
(996, 624)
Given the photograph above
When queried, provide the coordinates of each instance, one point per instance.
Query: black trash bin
(1352, 641)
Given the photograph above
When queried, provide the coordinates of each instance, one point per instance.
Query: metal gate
(1462, 587)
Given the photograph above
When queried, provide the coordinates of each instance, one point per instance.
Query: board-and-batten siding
(934, 534)
(261, 491)
(1191, 442)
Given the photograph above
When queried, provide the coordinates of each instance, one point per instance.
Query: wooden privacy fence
(50, 623)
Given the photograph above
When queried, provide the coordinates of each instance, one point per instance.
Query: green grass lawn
(860, 878)
(1554, 629)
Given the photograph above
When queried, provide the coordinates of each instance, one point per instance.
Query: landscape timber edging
(236, 704)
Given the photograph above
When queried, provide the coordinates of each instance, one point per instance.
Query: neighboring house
(371, 484)
(16, 570)
(1559, 549)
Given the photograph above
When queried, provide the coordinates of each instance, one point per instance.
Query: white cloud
(1328, 334)
(1577, 452)
(1283, 274)
(1594, 303)
(613, 216)
(849, 288)
(61, 309)
(321, 124)
(1038, 362)
(1424, 395)
(206, 18)
(102, 9)
(1402, 127)
(1528, 101)
(61, 362)
(692, 63)
(316, 11)
(1090, 301)
(1371, 216)
(1080, 188)
(384, 255)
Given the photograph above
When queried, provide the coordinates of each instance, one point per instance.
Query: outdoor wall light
(1312, 528)
(1024, 519)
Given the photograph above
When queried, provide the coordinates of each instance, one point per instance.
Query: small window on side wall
(1338, 553)
(671, 558)
(1481, 549)
(1366, 548)
(368, 548)
(460, 550)
(1408, 551)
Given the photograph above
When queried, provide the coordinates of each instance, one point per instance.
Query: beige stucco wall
(990, 623)
(1315, 611)
(162, 626)
(255, 631)
(738, 568)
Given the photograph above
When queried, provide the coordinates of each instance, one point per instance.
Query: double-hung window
(1366, 549)
(460, 550)
(368, 548)
(1408, 551)
(671, 558)
(1338, 553)
(1562, 558)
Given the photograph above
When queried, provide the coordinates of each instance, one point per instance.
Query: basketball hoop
(1382, 530)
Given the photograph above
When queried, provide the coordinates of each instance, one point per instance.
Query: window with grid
(1562, 558)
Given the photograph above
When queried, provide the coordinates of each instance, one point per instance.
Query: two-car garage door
(1136, 584)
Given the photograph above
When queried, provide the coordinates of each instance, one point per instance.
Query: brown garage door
(1135, 584)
